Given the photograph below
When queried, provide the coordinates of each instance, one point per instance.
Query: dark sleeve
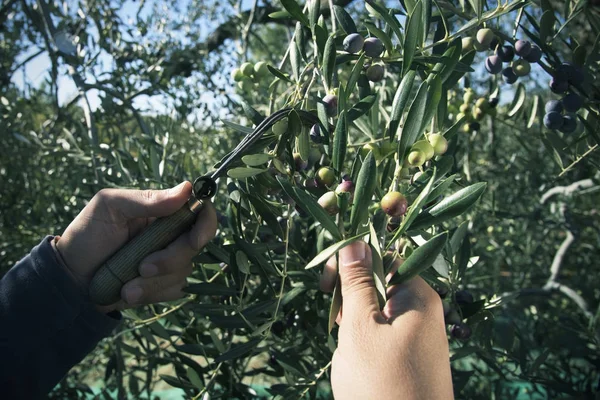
(47, 325)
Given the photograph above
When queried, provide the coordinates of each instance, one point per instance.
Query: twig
(558, 259)
(567, 190)
(564, 171)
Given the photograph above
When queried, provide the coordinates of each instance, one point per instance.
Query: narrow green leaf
(399, 103)
(345, 20)
(251, 113)
(321, 38)
(534, 111)
(176, 382)
(276, 72)
(453, 130)
(244, 172)
(446, 66)
(455, 76)
(254, 160)
(434, 94)
(442, 187)
(377, 262)
(194, 378)
(243, 264)
(457, 238)
(282, 14)
(382, 13)
(356, 71)
(427, 10)
(365, 187)
(295, 11)
(295, 56)
(331, 251)
(518, 101)
(451, 206)
(238, 350)
(420, 259)
(361, 108)
(340, 141)
(547, 22)
(414, 209)
(329, 61)
(303, 144)
(336, 305)
(412, 126)
(314, 10)
(414, 28)
(310, 205)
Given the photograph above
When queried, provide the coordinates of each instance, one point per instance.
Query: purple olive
(553, 120)
(522, 48)
(535, 54)
(461, 331)
(572, 102)
(569, 124)
(506, 53)
(509, 76)
(493, 65)
(353, 43)
(373, 47)
(375, 72)
(554, 105)
(331, 104)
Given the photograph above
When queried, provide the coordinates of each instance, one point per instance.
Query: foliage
(507, 212)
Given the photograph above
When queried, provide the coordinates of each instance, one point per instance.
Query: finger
(358, 287)
(145, 203)
(328, 276)
(180, 252)
(395, 265)
(156, 289)
(414, 297)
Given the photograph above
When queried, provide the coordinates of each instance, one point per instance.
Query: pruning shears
(122, 266)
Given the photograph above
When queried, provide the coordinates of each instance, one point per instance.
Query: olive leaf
(238, 350)
(294, 9)
(412, 127)
(451, 206)
(399, 103)
(329, 61)
(345, 20)
(254, 160)
(336, 304)
(331, 251)
(414, 209)
(365, 187)
(377, 263)
(420, 259)
(414, 30)
(310, 205)
(445, 67)
(340, 139)
(244, 172)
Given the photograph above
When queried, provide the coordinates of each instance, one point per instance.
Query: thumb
(147, 203)
(358, 287)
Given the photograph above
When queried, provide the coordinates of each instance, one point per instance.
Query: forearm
(48, 324)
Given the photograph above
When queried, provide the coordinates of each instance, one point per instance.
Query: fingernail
(133, 294)
(352, 253)
(148, 270)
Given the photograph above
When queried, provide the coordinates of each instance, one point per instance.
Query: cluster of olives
(459, 329)
(561, 114)
(424, 150)
(474, 114)
(325, 178)
(372, 47)
(528, 53)
(248, 74)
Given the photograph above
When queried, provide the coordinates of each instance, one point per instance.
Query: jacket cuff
(71, 297)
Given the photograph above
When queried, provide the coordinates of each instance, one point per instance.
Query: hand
(112, 218)
(400, 352)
